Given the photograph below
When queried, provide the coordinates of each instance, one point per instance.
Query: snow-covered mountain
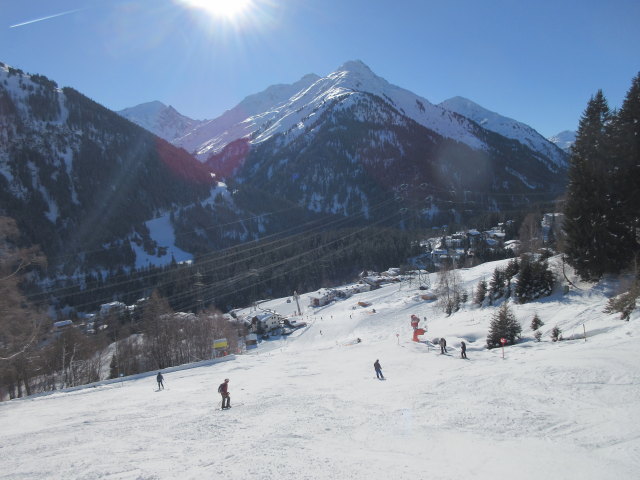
(244, 120)
(507, 127)
(280, 108)
(339, 141)
(97, 192)
(319, 142)
(161, 120)
(285, 109)
(564, 139)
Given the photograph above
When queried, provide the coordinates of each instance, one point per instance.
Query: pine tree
(481, 292)
(586, 207)
(556, 334)
(625, 133)
(496, 285)
(503, 325)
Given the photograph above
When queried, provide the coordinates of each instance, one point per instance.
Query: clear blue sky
(537, 62)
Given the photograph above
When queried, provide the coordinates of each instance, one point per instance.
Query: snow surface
(162, 232)
(309, 406)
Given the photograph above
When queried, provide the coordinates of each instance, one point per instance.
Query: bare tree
(156, 319)
(19, 321)
(449, 290)
(530, 233)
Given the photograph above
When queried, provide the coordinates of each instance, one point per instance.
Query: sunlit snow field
(310, 406)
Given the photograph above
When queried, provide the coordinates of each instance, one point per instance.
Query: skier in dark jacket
(443, 346)
(463, 349)
(223, 390)
(159, 379)
(378, 368)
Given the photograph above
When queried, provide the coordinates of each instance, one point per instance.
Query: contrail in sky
(45, 18)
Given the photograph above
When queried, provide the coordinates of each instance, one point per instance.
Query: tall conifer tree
(586, 208)
(625, 133)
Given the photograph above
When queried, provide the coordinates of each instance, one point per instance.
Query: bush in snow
(555, 334)
(625, 303)
(536, 323)
(538, 335)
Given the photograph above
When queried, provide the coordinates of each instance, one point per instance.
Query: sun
(228, 9)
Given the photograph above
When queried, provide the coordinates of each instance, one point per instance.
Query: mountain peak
(355, 66)
(148, 108)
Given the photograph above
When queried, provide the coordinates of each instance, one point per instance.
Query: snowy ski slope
(310, 407)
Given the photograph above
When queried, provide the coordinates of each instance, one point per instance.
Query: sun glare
(228, 9)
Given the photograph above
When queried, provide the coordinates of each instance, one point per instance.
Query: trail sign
(503, 341)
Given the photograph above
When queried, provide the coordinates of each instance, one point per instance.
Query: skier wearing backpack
(159, 379)
(223, 390)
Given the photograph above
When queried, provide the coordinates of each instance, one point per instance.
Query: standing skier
(159, 379)
(378, 368)
(223, 390)
(463, 349)
(443, 346)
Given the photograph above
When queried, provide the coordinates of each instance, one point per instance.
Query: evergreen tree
(503, 325)
(481, 292)
(496, 285)
(625, 133)
(586, 209)
(556, 334)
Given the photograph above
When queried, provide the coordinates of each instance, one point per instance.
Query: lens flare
(228, 9)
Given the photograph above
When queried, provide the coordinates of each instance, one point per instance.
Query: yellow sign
(220, 343)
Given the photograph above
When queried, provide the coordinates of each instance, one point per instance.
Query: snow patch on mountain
(162, 233)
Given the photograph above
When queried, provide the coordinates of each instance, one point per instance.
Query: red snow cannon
(417, 332)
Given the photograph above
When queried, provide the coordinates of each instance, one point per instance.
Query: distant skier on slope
(443, 346)
(378, 368)
(223, 390)
(463, 349)
(160, 380)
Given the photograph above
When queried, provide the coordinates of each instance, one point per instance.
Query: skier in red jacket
(223, 390)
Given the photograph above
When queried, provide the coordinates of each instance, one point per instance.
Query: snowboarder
(378, 368)
(443, 346)
(463, 349)
(223, 390)
(160, 380)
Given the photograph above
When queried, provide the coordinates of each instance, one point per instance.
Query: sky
(309, 406)
(537, 62)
